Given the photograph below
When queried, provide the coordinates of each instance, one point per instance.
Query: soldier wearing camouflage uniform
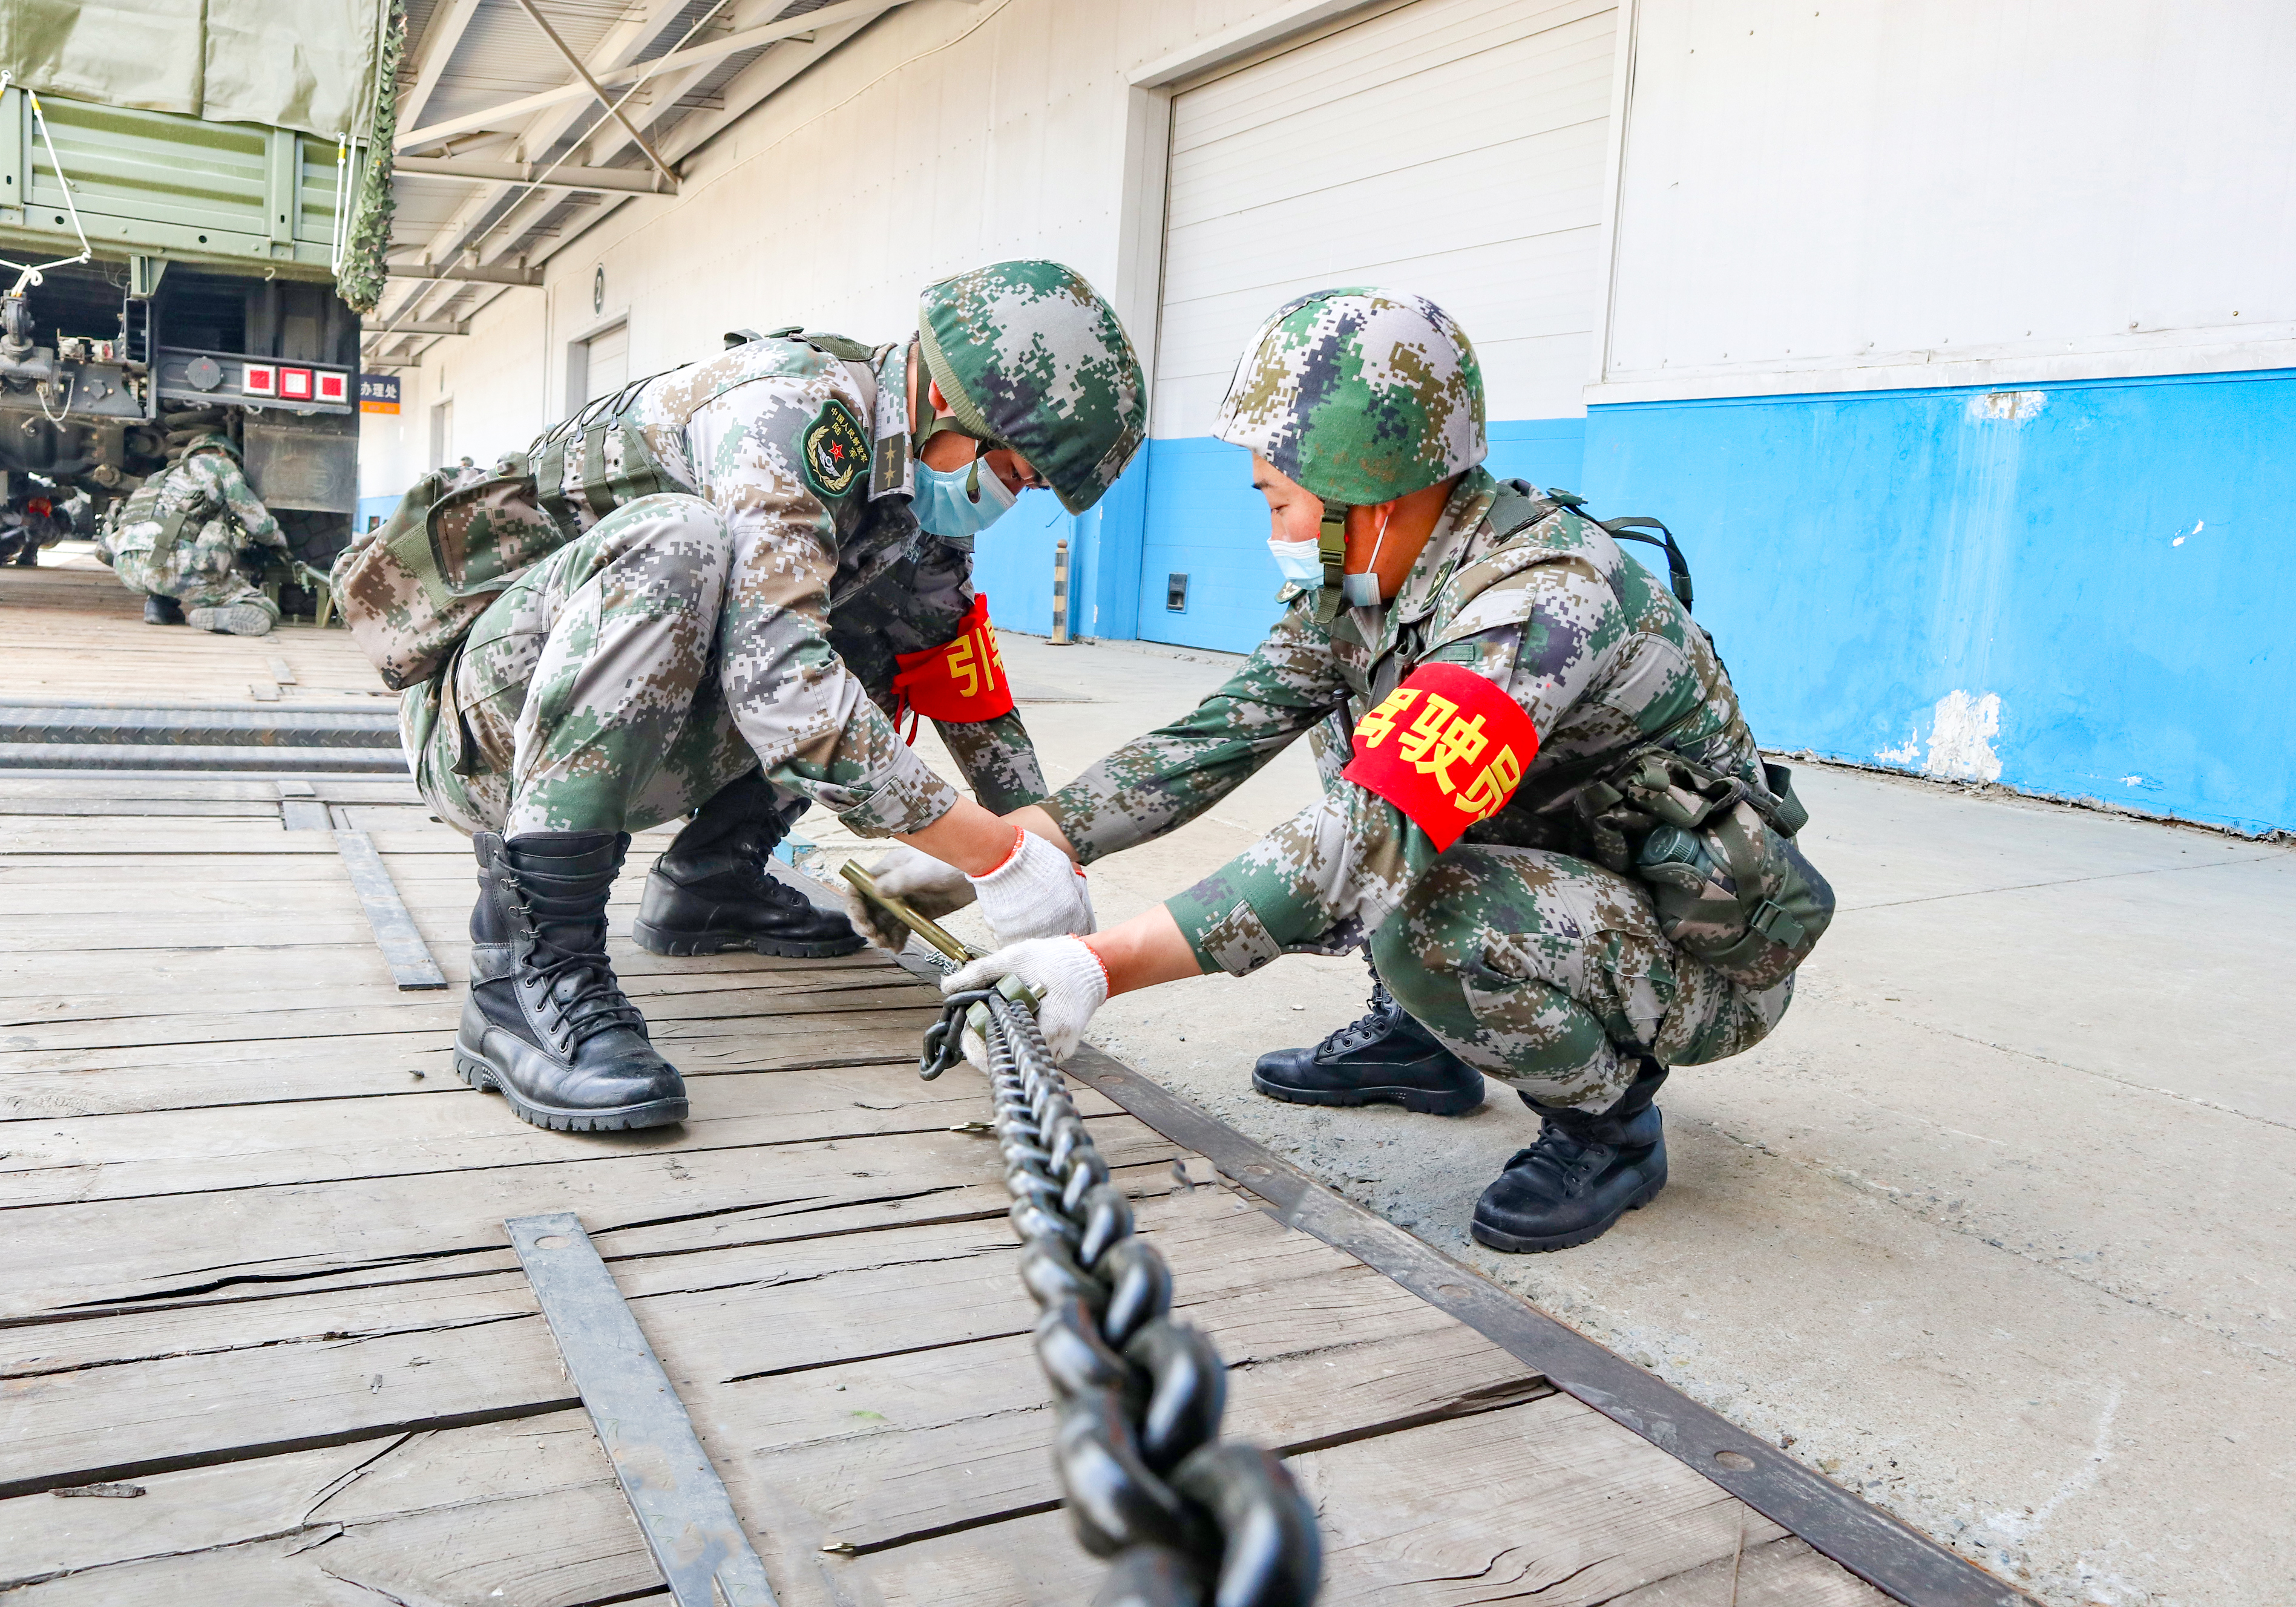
(735, 644)
(184, 535)
(1500, 700)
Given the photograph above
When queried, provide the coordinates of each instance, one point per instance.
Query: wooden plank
(709, 1036)
(122, 1396)
(64, 991)
(264, 1077)
(112, 808)
(1546, 1501)
(238, 1244)
(298, 1142)
(769, 1010)
(1776, 1573)
(870, 1434)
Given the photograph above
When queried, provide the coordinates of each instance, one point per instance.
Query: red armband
(962, 681)
(1448, 748)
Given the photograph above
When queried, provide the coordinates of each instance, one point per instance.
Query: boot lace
(1369, 1027)
(595, 1004)
(1554, 1155)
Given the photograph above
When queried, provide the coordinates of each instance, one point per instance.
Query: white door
(1452, 148)
(608, 369)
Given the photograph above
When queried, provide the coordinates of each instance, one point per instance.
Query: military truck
(208, 277)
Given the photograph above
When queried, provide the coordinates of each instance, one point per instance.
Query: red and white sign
(335, 387)
(260, 378)
(294, 384)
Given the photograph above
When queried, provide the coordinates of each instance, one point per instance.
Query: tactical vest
(1715, 848)
(574, 472)
(411, 591)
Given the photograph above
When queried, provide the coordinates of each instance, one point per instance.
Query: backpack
(411, 590)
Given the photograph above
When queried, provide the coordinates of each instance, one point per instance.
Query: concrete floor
(1998, 1228)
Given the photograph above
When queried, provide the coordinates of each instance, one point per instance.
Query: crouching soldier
(1542, 811)
(185, 536)
(713, 593)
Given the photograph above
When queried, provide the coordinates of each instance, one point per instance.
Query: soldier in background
(1507, 713)
(185, 537)
(775, 560)
(34, 516)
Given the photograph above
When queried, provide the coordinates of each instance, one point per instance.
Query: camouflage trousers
(1550, 973)
(200, 571)
(585, 698)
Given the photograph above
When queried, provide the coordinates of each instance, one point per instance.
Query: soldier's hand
(1036, 892)
(1066, 976)
(932, 889)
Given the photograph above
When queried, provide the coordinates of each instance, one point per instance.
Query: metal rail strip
(409, 957)
(680, 1501)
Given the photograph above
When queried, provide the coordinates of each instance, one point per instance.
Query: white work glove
(1037, 892)
(932, 889)
(1063, 972)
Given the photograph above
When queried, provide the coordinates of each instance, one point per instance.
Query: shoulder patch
(835, 452)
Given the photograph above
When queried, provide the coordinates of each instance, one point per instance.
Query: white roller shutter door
(609, 367)
(1453, 148)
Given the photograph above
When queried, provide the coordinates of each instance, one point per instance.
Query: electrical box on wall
(1175, 593)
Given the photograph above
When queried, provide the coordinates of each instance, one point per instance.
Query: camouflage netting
(360, 283)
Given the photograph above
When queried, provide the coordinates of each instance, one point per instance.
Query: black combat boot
(546, 1023)
(1586, 1171)
(1383, 1058)
(162, 610)
(710, 891)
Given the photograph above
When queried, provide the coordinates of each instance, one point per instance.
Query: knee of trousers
(673, 544)
(1486, 955)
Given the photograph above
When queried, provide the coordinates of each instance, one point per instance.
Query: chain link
(1188, 1521)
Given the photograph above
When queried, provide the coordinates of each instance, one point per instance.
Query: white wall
(1838, 195)
(947, 135)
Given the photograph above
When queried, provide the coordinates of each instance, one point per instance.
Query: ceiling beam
(419, 326)
(638, 181)
(436, 46)
(483, 273)
(733, 44)
(613, 110)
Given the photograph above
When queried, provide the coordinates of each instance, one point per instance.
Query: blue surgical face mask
(959, 504)
(1298, 562)
(1360, 586)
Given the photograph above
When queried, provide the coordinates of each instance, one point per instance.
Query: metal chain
(1189, 1521)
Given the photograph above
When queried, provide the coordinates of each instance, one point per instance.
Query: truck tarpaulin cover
(302, 65)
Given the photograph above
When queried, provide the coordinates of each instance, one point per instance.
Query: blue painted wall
(1012, 563)
(1202, 519)
(1188, 506)
(2099, 572)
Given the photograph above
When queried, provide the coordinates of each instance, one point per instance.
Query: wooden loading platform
(264, 1342)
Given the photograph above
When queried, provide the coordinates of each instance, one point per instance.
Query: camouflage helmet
(183, 443)
(1028, 355)
(1361, 396)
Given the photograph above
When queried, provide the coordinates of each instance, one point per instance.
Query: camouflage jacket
(1598, 653)
(207, 484)
(805, 455)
